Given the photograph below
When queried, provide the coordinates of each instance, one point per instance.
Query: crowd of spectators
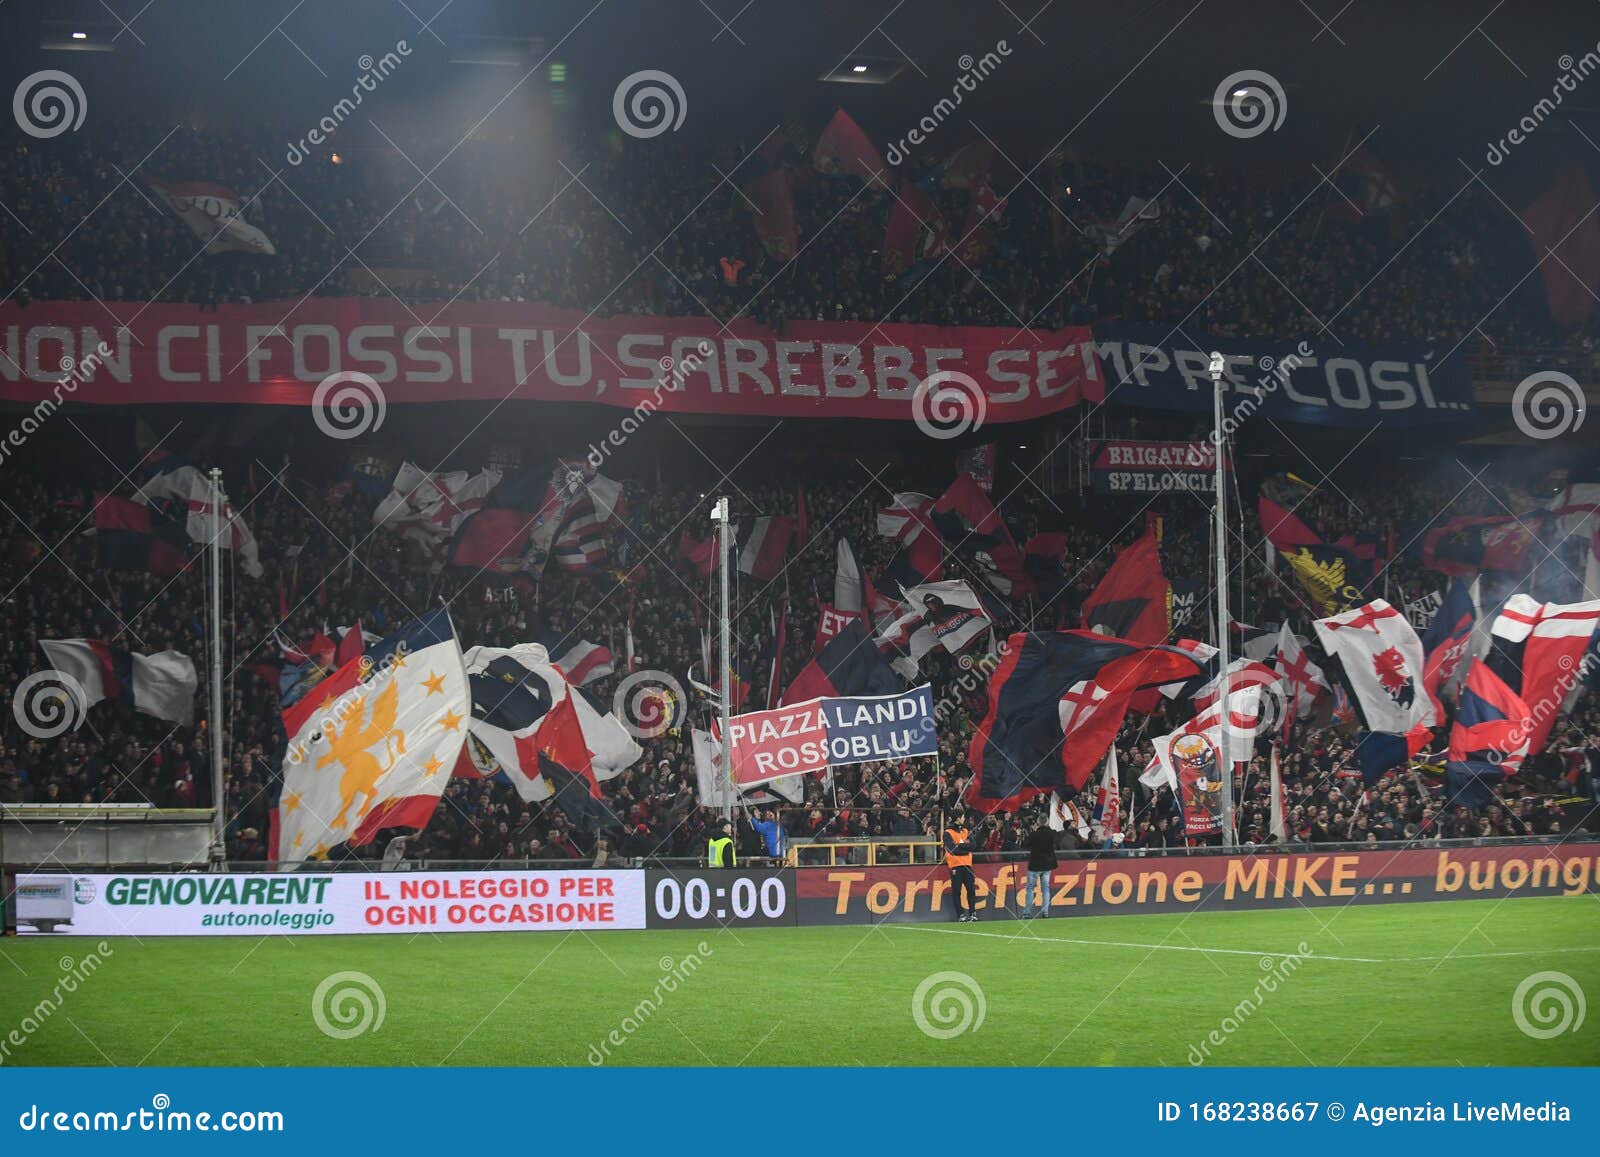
(609, 227)
(321, 550)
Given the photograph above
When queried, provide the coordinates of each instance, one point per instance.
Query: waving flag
(966, 514)
(1189, 761)
(585, 662)
(849, 588)
(568, 771)
(512, 691)
(1283, 529)
(374, 747)
(909, 520)
(906, 517)
(1538, 648)
(1489, 740)
(1464, 546)
(161, 685)
(946, 614)
(700, 555)
(1022, 748)
(1278, 816)
(848, 664)
(765, 546)
(1092, 710)
(1243, 674)
(1303, 680)
(844, 150)
(1331, 576)
(1133, 600)
(215, 214)
(430, 507)
(1445, 641)
(1108, 800)
(916, 231)
(129, 536)
(772, 653)
(771, 197)
(1383, 663)
(192, 491)
(492, 540)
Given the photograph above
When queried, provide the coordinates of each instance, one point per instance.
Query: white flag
(215, 214)
(712, 789)
(162, 684)
(1303, 681)
(189, 486)
(375, 747)
(1278, 824)
(1383, 662)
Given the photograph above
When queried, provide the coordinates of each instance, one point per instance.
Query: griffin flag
(374, 746)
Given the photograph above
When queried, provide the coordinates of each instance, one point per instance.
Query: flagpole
(219, 849)
(1220, 443)
(719, 515)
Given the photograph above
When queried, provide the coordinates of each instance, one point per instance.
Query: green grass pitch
(1403, 984)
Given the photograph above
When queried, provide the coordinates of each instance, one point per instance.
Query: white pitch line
(1486, 955)
(1131, 944)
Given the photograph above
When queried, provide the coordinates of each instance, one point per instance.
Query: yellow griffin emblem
(349, 744)
(1325, 580)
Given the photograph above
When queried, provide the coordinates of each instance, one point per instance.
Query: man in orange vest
(958, 858)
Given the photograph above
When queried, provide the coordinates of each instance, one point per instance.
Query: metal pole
(1223, 754)
(724, 644)
(219, 850)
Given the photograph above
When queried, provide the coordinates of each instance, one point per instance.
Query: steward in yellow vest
(719, 848)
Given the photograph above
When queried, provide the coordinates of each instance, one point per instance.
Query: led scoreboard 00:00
(699, 898)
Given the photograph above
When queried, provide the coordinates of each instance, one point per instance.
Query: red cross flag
(1303, 680)
(1383, 663)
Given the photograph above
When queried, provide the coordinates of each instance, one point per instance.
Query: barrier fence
(464, 898)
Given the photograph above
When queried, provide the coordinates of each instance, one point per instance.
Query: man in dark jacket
(1041, 862)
